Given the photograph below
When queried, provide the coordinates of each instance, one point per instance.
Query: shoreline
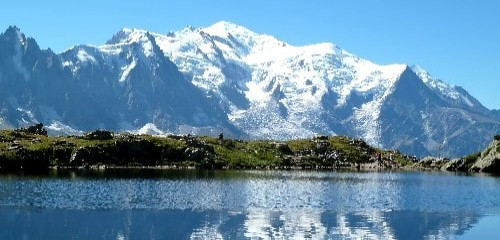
(31, 149)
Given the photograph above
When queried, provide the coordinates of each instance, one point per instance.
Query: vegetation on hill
(32, 149)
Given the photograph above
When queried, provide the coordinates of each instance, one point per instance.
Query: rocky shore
(32, 149)
(487, 161)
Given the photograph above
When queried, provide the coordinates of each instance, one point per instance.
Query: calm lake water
(190, 204)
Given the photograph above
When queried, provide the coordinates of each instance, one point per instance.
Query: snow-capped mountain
(142, 88)
(227, 78)
(36, 87)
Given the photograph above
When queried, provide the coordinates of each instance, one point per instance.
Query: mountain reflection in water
(178, 204)
(258, 224)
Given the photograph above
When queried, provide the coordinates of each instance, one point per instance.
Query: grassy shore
(23, 149)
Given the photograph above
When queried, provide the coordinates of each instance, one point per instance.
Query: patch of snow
(446, 89)
(129, 36)
(58, 128)
(29, 114)
(150, 129)
(126, 70)
(83, 56)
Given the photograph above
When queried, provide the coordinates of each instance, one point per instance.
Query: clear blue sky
(457, 41)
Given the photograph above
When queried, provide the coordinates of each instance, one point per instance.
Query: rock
(79, 156)
(89, 155)
(14, 146)
(321, 138)
(136, 151)
(282, 148)
(59, 143)
(431, 162)
(195, 154)
(99, 135)
(322, 146)
(457, 164)
(35, 129)
(489, 161)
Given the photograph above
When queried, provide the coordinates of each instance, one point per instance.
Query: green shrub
(497, 137)
(488, 150)
(471, 159)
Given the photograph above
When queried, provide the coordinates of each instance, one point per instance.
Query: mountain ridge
(227, 78)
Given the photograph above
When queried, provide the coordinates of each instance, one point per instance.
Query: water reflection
(240, 191)
(166, 204)
(284, 225)
(258, 224)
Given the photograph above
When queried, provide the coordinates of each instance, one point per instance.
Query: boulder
(99, 135)
(36, 129)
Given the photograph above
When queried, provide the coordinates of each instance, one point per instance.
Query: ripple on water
(270, 190)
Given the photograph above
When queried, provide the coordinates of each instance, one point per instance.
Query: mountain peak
(421, 72)
(446, 89)
(227, 25)
(13, 29)
(224, 28)
(127, 35)
(13, 32)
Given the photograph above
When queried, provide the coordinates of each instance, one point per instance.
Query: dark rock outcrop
(455, 165)
(99, 135)
(36, 129)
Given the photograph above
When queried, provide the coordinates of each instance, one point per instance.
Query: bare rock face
(489, 161)
(456, 164)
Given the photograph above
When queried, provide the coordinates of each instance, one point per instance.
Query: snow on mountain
(445, 89)
(149, 129)
(272, 89)
(142, 86)
(227, 78)
(35, 86)
(58, 128)
(264, 82)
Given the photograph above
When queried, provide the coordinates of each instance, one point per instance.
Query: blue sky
(456, 41)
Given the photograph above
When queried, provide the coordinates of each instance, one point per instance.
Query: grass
(471, 159)
(251, 154)
(202, 152)
(402, 160)
(488, 150)
(301, 144)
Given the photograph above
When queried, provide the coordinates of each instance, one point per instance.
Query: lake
(195, 204)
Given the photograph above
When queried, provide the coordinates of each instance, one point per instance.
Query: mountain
(36, 87)
(142, 88)
(119, 86)
(228, 78)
